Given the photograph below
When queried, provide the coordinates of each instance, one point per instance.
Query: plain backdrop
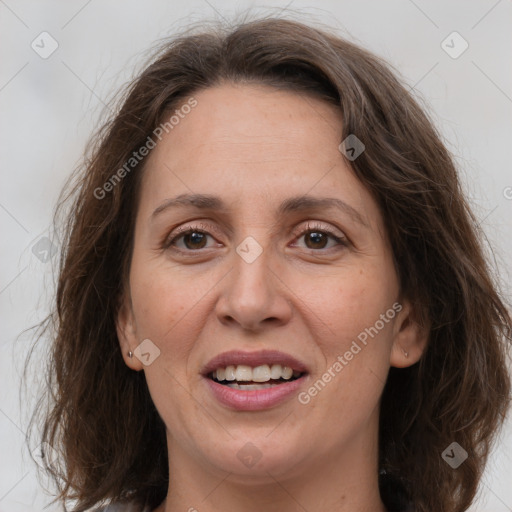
(51, 103)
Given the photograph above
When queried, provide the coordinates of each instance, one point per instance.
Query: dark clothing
(393, 494)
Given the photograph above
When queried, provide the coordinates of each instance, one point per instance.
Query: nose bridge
(251, 283)
(252, 293)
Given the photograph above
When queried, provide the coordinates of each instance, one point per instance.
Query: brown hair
(100, 416)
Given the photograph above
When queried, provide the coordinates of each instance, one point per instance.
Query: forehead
(250, 142)
(244, 120)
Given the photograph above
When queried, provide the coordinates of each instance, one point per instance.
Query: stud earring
(406, 354)
(130, 354)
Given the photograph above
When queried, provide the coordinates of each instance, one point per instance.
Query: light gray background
(49, 107)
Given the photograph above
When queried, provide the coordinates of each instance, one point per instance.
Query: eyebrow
(290, 205)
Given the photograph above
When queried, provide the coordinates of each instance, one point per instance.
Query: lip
(270, 357)
(256, 399)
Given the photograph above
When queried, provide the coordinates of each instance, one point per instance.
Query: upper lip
(261, 357)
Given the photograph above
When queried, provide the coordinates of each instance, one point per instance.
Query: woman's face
(286, 261)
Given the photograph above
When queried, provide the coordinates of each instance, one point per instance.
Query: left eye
(320, 239)
(192, 239)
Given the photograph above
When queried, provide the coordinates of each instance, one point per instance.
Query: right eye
(188, 239)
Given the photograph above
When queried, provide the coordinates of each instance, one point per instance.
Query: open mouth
(247, 378)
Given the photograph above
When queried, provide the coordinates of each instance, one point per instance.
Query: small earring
(406, 354)
(130, 354)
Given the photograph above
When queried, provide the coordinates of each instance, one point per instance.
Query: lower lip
(256, 399)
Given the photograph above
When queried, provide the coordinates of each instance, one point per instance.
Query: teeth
(262, 373)
(250, 387)
(286, 372)
(243, 372)
(275, 371)
(230, 373)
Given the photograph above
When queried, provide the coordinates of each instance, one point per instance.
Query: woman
(273, 294)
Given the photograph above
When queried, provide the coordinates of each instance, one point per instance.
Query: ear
(410, 337)
(127, 333)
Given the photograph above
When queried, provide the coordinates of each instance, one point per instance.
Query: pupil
(195, 239)
(317, 238)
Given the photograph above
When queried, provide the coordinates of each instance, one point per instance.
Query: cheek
(348, 302)
(171, 308)
(355, 347)
(156, 304)
(170, 312)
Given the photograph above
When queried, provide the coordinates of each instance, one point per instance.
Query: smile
(250, 381)
(260, 377)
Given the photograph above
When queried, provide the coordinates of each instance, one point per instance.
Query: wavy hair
(99, 415)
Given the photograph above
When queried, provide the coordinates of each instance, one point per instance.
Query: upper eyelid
(314, 224)
(310, 224)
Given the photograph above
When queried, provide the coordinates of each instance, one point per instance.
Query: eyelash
(310, 228)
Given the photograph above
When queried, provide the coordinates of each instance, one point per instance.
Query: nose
(253, 296)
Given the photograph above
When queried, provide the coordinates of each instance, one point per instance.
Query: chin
(256, 459)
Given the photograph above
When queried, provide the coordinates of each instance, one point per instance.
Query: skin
(254, 146)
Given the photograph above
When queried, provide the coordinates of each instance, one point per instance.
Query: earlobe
(127, 334)
(410, 338)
